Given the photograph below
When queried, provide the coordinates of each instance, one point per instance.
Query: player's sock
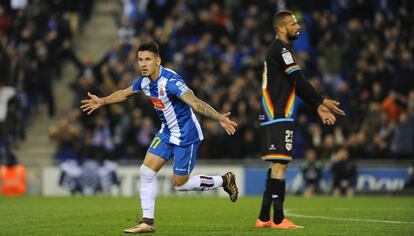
(201, 183)
(267, 200)
(277, 190)
(148, 192)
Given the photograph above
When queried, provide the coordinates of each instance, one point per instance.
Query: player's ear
(279, 28)
(158, 61)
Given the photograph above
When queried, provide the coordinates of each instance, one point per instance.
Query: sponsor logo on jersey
(181, 86)
(288, 58)
(272, 147)
(157, 103)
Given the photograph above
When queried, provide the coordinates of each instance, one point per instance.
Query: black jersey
(278, 89)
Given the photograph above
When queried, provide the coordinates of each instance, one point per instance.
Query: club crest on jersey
(158, 104)
(162, 91)
(288, 146)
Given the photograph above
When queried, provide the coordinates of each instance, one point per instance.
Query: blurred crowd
(36, 37)
(358, 52)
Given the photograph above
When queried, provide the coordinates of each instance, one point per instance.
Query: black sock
(148, 221)
(267, 201)
(277, 190)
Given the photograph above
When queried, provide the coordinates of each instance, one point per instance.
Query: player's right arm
(94, 102)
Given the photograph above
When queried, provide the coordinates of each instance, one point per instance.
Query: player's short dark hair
(279, 16)
(150, 46)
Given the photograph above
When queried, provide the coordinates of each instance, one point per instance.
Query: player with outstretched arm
(179, 137)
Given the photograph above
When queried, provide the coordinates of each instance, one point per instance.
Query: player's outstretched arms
(326, 115)
(228, 125)
(94, 102)
(332, 105)
(201, 107)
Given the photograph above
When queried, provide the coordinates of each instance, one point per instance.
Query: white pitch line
(349, 219)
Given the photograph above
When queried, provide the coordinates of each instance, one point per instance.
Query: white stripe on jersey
(191, 157)
(168, 69)
(162, 128)
(197, 125)
(170, 116)
(145, 86)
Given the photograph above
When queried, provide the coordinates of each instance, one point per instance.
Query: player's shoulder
(278, 46)
(170, 74)
(282, 52)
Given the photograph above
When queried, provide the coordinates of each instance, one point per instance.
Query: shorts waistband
(277, 121)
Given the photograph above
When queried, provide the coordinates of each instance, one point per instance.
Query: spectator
(343, 174)
(66, 135)
(6, 95)
(311, 173)
(403, 141)
(12, 177)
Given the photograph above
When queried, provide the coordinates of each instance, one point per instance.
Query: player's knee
(180, 184)
(182, 187)
(278, 170)
(146, 173)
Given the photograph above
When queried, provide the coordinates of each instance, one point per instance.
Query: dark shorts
(277, 140)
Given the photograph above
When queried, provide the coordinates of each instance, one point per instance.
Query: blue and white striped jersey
(179, 123)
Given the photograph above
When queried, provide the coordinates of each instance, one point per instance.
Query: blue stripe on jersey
(179, 124)
(183, 111)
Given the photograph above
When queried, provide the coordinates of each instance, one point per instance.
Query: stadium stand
(358, 52)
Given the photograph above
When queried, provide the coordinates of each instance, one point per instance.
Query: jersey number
(155, 142)
(289, 136)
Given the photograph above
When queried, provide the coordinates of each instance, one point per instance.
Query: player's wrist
(220, 117)
(104, 102)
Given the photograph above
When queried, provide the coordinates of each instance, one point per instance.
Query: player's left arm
(308, 93)
(206, 110)
(303, 88)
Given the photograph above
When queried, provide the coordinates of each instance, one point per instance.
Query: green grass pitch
(196, 215)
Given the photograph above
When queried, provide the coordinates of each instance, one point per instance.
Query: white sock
(201, 183)
(148, 191)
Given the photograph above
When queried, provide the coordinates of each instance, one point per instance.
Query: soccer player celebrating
(179, 137)
(282, 80)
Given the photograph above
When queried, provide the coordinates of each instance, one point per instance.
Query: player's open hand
(332, 105)
(326, 115)
(228, 125)
(90, 105)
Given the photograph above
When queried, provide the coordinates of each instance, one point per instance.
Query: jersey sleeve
(293, 71)
(136, 86)
(177, 87)
(286, 60)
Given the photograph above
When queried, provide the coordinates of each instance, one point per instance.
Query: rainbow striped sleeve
(267, 105)
(291, 69)
(290, 103)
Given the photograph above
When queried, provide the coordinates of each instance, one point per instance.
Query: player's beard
(293, 36)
